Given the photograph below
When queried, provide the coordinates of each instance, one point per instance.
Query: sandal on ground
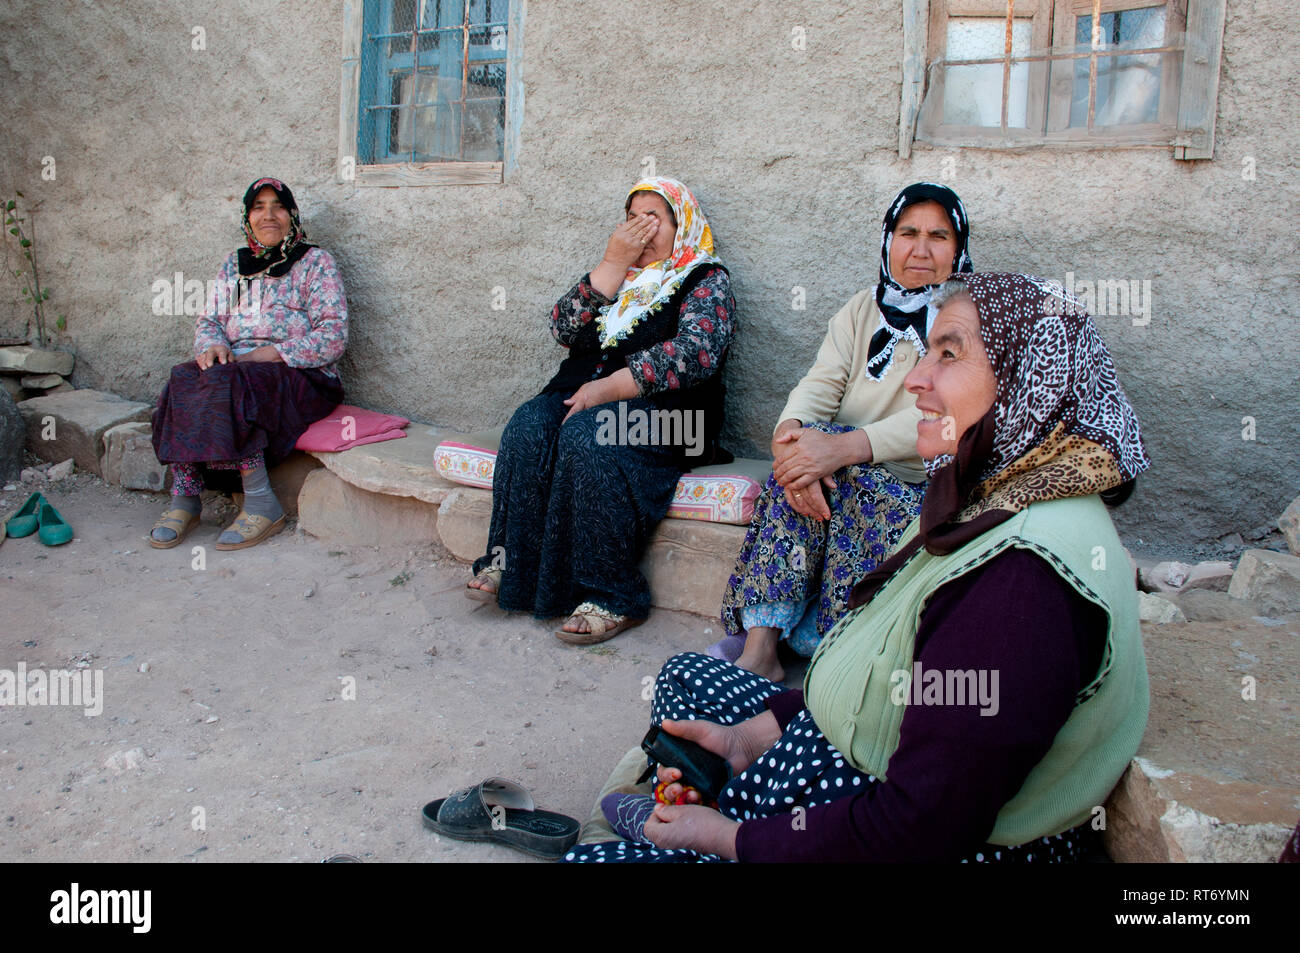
(602, 624)
(179, 521)
(252, 530)
(502, 811)
(492, 576)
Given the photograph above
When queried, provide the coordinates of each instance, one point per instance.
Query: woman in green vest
(988, 688)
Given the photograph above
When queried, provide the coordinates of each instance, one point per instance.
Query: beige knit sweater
(837, 389)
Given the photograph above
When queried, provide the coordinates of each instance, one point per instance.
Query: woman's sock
(259, 499)
(190, 504)
(627, 814)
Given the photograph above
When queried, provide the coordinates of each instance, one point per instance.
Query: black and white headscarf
(904, 312)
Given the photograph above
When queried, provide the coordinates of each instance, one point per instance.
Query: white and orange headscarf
(644, 290)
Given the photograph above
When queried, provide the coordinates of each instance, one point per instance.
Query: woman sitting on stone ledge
(849, 425)
(264, 369)
(586, 471)
(988, 687)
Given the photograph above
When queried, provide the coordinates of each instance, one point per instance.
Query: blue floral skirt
(794, 573)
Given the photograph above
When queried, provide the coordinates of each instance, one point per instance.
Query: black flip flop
(469, 815)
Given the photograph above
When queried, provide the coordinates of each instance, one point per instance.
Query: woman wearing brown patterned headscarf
(989, 687)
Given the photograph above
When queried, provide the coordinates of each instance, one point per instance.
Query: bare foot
(576, 623)
(483, 581)
(762, 664)
(759, 656)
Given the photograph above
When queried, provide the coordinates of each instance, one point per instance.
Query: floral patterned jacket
(303, 314)
(705, 327)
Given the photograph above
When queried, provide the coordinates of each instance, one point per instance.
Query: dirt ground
(226, 733)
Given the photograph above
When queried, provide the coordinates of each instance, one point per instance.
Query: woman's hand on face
(692, 826)
(217, 354)
(630, 239)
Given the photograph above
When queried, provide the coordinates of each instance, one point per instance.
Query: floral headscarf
(275, 260)
(1060, 424)
(644, 290)
(904, 312)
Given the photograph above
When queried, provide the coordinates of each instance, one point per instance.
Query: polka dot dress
(802, 769)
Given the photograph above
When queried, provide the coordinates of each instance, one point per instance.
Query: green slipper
(24, 521)
(54, 529)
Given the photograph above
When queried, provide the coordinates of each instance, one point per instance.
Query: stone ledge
(394, 467)
(333, 509)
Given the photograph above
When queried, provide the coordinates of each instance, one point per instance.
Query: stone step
(330, 508)
(687, 562)
(394, 467)
(73, 424)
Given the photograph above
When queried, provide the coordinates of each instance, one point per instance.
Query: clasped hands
(804, 459)
(692, 825)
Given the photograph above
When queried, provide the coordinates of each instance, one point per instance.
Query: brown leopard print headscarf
(1060, 424)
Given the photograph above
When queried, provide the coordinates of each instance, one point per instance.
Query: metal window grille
(433, 81)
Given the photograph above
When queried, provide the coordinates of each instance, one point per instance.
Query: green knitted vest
(858, 701)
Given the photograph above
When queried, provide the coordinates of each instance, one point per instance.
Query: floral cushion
(717, 494)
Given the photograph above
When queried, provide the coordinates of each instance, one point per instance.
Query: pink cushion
(348, 427)
(719, 494)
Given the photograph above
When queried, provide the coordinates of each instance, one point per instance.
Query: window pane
(972, 95)
(1128, 87)
(403, 22)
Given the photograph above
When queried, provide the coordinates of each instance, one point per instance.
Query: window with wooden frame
(431, 91)
(1072, 73)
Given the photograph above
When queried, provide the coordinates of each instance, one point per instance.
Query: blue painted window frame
(482, 28)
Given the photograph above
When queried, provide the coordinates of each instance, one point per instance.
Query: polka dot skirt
(802, 769)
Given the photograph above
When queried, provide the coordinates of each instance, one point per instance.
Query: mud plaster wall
(793, 154)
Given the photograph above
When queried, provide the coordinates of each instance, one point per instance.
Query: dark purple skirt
(232, 411)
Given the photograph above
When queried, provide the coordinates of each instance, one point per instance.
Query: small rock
(126, 760)
(10, 486)
(1152, 608)
(212, 719)
(479, 743)
(1213, 574)
(41, 381)
(31, 475)
(1168, 576)
(1289, 524)
(1258, 533)
(61, 471)
(1271, 579)
(1231, 541)
(144, 668)
(311, 591)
